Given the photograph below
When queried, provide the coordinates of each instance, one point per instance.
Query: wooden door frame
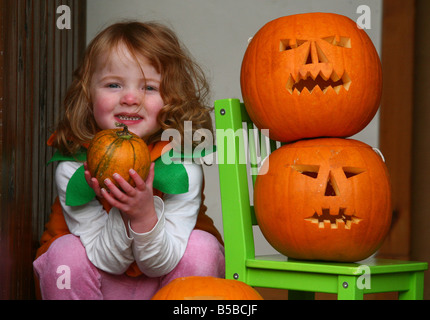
(37, 63)
(396, 117)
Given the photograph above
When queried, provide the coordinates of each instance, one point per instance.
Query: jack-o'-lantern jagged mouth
(322, 82)
(327, 220)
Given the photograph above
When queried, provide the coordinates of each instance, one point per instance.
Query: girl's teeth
(128, 118)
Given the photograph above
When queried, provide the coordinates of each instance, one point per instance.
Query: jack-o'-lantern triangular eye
(288, 44)
(352, 172)
(307, 170)
(344, 42)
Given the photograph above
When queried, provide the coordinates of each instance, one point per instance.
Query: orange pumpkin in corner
(311, 75)
(206, 288)
(117, 151)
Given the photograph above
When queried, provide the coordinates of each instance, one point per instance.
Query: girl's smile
(128, 119)
(127, 91)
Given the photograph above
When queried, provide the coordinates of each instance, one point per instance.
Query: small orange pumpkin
(206, 288)
(311, 75)
(324, 199)
(117, 151)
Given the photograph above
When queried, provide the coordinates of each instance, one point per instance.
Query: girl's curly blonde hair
(183, 87)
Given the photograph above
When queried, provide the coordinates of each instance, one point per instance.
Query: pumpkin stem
(125, 134)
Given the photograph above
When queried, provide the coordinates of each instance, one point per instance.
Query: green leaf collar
(170, 176)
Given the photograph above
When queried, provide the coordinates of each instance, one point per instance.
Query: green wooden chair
(238, 161)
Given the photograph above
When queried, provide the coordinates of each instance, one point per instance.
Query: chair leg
(348, 289)
(300, 295)
(416, 289)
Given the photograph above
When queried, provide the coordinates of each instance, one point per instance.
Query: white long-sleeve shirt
(105, 238)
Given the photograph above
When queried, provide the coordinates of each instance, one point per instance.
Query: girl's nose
(131, 98)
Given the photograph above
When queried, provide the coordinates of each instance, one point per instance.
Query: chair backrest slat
(257, 146)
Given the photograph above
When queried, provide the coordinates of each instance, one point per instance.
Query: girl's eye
(113, 85)
(150, 88)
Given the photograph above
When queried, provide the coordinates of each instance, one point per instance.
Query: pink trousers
(65, 272)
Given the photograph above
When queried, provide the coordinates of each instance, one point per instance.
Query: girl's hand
(136, 203)
(92, 182)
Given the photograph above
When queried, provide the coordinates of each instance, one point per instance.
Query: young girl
(127, 242)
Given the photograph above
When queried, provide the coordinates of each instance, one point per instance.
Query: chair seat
(376, 266)
(348, 280)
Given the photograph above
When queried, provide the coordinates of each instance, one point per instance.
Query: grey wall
(216, 32)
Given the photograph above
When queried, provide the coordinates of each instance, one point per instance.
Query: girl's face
(120, 92)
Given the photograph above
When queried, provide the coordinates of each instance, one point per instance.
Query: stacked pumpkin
(313, 80)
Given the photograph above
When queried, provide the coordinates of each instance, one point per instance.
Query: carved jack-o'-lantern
(311, 75)
(324, 199)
